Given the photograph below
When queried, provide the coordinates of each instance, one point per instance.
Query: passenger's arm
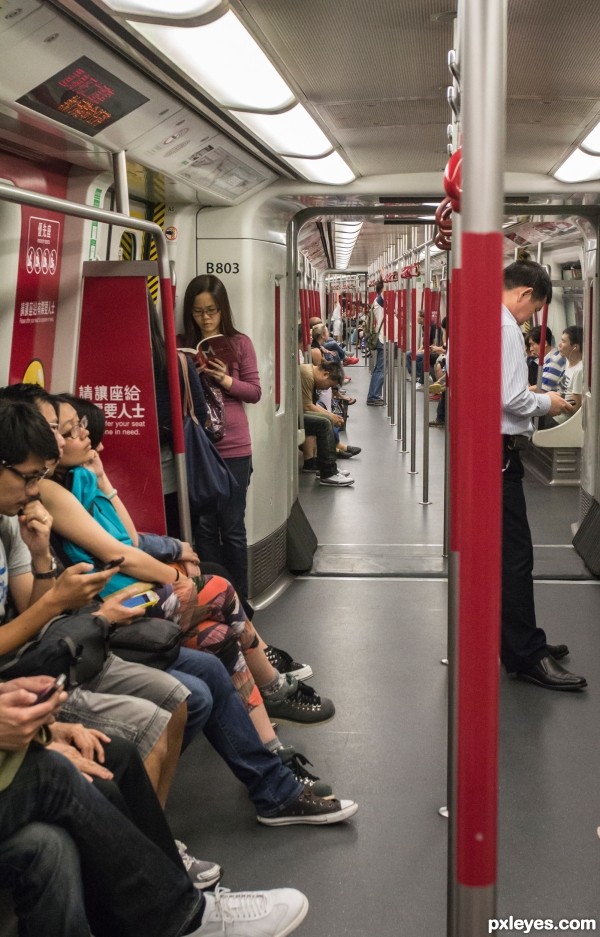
(313, 408)
(245, 387)
(30, 553)
(73, 522)
(76, 587)
(106, 487)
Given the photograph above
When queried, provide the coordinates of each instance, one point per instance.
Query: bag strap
(188, 403)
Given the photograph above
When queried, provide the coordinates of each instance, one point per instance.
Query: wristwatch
(52, 572)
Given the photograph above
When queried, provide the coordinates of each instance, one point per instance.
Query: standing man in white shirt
(524, 648)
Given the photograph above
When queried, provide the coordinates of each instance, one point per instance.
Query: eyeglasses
(76, 430)
(30, 478)
(210, 311)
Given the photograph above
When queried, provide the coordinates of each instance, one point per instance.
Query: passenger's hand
(77, 585)
(94, 464)
(21, 717)
(188, 554)
(35, 524)
(86, 766)
(336, 419)
(558, 404)
(217, 369)
(89, 742)
(117, 613)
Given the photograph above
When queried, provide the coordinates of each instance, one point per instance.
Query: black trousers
(522, 643)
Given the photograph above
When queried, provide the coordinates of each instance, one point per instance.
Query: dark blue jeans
(221, 537)
(322, 428)
(376, 385)
(231, 732)
(71, 857)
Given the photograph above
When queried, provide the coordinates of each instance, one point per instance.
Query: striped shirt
(554, 368)
(519, 404)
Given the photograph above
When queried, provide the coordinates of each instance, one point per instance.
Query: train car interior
(302, 153)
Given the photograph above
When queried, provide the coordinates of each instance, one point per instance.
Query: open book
(215, 346)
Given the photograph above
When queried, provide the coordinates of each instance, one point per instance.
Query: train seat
(555, 457)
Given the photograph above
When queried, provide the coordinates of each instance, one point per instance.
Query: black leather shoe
(558, 651)
(550, 675)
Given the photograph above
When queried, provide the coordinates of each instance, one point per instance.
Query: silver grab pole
(425, 499)
(413, 392)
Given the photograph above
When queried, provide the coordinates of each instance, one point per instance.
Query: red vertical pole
(476, 444)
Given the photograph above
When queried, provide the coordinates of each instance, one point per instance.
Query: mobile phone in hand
(55, 687)
(143, 600)
(112, 564)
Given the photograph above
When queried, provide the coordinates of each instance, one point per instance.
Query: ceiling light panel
(176, 9)
(329, 170)
(294, 132)
(579, 167)
(223, 59)
(592, 141)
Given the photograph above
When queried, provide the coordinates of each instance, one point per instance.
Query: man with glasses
(524, 648)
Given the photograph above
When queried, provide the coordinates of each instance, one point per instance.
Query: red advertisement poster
(114, 372)
(37, 296)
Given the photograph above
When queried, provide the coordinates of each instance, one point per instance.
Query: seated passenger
(72, 859)
(571, 385)
(155, 719)
(554, 361)
(216, 623)
(319, 423)
(278, 784)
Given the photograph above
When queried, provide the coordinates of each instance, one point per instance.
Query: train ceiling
(373, 77)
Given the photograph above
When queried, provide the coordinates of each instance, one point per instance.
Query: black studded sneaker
(285, 663)
(296, 762)
(307, 808)
(299, 703)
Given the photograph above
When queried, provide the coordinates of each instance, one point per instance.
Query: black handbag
(154, 642)
(209, 480)
(75, 644)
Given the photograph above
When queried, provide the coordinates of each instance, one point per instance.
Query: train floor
(371, 619)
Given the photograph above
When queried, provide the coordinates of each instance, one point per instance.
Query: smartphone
(55, 687)
(112, 564)
(143, 600)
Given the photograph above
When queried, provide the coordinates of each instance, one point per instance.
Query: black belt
(517, 442)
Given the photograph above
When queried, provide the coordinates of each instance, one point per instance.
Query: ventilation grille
(266, 561)
(587, 539)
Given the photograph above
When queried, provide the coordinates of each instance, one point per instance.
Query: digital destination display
(84, 96)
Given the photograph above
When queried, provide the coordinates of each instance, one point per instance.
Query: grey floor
(374, 633)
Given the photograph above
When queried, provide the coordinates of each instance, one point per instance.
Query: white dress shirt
(519, 404)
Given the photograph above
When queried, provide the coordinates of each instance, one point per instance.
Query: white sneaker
(202, 873)
(347, 474)
(420, 386)
(338, 480)
(252, 913)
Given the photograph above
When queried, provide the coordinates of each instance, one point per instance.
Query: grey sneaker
(340, 472)
(299, 704)
(274, 913)
(309, 809)
(203, 874)
(295, 761)
(337, 481)
(285, 663)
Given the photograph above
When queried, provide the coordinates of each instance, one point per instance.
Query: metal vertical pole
(426, 333)
(476, 441)
(413, 390)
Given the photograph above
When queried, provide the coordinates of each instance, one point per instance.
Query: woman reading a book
(227, 358)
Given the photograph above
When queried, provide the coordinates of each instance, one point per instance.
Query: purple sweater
(245, 389)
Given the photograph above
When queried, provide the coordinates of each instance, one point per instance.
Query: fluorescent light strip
(223, 59)
(592, 141)
(579, 167)
(294, 132)
(329, 170)
(176, 9)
